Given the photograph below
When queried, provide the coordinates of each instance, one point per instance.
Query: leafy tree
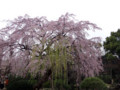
(39, 46)
(112, 45)
(112, 56)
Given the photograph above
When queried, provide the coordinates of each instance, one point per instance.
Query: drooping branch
(30, 36)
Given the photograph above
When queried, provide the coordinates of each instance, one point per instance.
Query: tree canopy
(112, 45)
(111, 58)
(33, 45)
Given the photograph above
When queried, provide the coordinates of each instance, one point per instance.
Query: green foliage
(112, 43)
(19, 83)
(59, 57)
(112, 56)
(106, 78)
(117, 78)
(14, 78)
(93, 83)
(46, 84)
(60, 84)
(109, 56)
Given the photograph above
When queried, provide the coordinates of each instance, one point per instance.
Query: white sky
(104, 13)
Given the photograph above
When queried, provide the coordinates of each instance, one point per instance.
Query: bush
(46, 84)
(117, 79)
(93, 83)
(21, 85)
(14, 78)
(106, 78)
(60, 84)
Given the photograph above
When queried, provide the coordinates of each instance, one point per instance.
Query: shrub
(21, 85)
(46, 84)
(106, 78)
(93, 83)
(60, 84)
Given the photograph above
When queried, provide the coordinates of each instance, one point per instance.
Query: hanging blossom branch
(25, 33)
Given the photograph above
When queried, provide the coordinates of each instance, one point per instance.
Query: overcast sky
(104, 13)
